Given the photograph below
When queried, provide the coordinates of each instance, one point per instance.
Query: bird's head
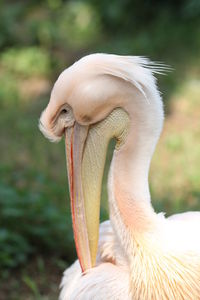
(88, 106)
(86, 93)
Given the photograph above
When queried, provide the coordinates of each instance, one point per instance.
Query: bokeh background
(38, 39)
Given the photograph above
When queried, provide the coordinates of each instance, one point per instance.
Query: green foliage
(32, 286)
(26, 62)
(17, 66)
(9, 92)
(30, 223)
(78, 25)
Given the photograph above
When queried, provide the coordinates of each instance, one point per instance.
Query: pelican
(138, 254)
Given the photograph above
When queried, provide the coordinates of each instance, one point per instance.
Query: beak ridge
(75, 138)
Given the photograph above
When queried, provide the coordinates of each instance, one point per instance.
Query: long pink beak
(75, 138)
(86, 149)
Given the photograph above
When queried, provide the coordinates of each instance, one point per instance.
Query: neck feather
(129, 195)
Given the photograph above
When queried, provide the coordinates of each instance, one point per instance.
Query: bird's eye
(64, 111)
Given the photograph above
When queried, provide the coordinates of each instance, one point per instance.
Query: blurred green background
(38, 39)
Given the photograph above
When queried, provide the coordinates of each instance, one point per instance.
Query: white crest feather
(137, 70)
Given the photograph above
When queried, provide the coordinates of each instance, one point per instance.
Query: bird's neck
(129, 196)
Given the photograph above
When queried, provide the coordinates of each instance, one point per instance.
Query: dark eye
(64, 111)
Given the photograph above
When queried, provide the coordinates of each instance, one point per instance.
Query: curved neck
(129, 196)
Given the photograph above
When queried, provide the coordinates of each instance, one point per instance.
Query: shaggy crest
(138, 70)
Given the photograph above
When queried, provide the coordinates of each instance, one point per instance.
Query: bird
(138, 253)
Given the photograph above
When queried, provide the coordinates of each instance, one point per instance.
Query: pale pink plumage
(142, 255)
(108, 280)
